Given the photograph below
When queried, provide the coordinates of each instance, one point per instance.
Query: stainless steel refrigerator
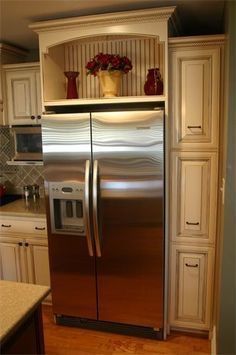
(104, 182)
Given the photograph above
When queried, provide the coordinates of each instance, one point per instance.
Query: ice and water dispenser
(67, 208)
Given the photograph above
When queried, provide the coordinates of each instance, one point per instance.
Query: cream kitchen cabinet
(23, 93)
(24, 250)
(195, 110)
(11, 260)
(68, 45)
(8, 54)
(194, 197)
(38, 262)
(195, 95)
(192, 283)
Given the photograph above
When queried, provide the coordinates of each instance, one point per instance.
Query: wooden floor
(75, 341)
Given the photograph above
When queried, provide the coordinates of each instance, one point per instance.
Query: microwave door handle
(95, 209)
(86, 198)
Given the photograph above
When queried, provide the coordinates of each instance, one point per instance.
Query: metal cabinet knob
(40, 229)
(189, 265)
(32, 117)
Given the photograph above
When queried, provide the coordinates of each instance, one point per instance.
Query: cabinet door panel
(194, 78)
(10, 261)
(38, 94)
(38, 264)
(194, 192)
(191, 286)
(191, 291)
(195, 108)
(23, 95)
(41, 265)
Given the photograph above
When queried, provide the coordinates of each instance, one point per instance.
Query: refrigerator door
(129, 216)
(67, 163)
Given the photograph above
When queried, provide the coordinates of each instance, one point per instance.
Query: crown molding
(11, 50)
(175, 42)
(161, 13)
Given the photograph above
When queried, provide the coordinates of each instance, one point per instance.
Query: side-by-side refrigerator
(104, 183)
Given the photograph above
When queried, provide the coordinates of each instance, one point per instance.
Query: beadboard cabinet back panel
(144, 53)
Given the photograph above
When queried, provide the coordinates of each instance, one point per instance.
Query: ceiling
(196, 16)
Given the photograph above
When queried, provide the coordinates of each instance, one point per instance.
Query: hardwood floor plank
(61, 340)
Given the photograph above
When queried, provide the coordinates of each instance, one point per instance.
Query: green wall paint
(227, 322)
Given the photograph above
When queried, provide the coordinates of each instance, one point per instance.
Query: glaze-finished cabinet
(195, 75)
(23, 93)
(24, 250)
(10, 266)
(194, 112)
(192, 268)
(194, 191)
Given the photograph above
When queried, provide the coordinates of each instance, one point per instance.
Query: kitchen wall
(15, 177)
(226, 339)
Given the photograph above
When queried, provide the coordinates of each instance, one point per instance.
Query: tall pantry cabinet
(195, 104)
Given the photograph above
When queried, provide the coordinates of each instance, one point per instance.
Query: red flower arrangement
(108, 62)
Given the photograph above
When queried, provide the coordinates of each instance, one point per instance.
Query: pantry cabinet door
(10, 264)
(194, 104)
(191, 286)
(193, 197)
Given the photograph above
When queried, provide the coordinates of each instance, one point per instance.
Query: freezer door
(128, 216)
(67, 164)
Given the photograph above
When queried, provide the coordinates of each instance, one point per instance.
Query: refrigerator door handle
(95, 209)
(86, 198)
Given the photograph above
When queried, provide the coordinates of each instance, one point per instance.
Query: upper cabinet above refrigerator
(68, 45)
(23, 93)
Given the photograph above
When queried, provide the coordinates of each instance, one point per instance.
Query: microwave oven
(27, 143)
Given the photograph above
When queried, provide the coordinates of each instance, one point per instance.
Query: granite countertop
(17, 301)
(22, 209)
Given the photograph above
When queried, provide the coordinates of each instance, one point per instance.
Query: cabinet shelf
(102, 101)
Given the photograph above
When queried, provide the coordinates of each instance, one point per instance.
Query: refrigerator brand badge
(143, 127)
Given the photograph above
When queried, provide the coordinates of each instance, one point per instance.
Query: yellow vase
(110, 82)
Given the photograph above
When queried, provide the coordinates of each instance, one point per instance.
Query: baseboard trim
(213, 341)
(203, 333)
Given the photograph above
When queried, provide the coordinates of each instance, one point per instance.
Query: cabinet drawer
(19, 226)
(191, 286)
(194, 78)
(193, 197)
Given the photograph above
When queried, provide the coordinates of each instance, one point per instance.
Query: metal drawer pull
(40, 229)
(194, 126)
(192, 223)
(20, 244)
(6, 225)
(189, 265)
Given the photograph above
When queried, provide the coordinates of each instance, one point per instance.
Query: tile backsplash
(15, 177)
